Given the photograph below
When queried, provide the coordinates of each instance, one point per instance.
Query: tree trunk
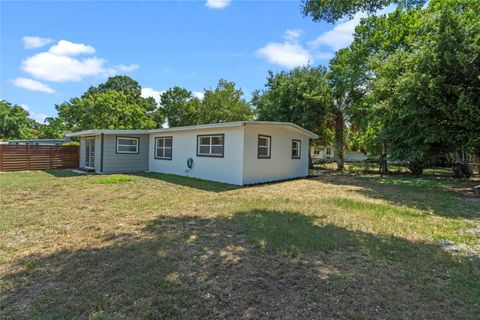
(339, 139)
(310, 161)
(383, 160)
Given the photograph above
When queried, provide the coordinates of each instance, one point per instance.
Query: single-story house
(240, 153)
(320, 152)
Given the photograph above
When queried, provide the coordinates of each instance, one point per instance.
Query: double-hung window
(127, 145)
(163, 148)
(296, 149)
(210, 145)
(264, 147)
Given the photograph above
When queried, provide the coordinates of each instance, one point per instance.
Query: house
(328, 153)
(240, 153)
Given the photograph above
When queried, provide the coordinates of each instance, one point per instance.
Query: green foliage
(410, 80)
(115, 104)
(181, 107)
(333, 10)
(222, 104)
(15, 122)
(302, 96)
(51, 128)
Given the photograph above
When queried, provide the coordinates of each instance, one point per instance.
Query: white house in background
(328, 153)
(240, 153)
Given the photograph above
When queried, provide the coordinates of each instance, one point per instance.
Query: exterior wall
(82, 152)
(322, 154)
(121, 162)
(184, 145)
(355, 156)
(280, 165)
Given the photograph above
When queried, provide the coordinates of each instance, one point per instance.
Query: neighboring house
(328, 153)
(42, 142)
(240, 153)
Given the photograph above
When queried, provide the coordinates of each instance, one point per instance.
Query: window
(127, 145)
(210, 145)
(317, 151)
(296, 149)
(264, 149)
(163, 148)
(328, 152)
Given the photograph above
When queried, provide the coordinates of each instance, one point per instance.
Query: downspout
(101, 152)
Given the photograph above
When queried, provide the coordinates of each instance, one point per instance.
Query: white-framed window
(211, 145)
(264, 147)
(328, 152)
(127, 145)
(317, 151)
(163, 148)
(296, 147)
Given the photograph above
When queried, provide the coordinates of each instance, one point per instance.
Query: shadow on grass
(255, 264)
(190, 182)
(64, 173)
(443, 197)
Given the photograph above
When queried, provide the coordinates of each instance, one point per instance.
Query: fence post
(28, 156)
(51, 158)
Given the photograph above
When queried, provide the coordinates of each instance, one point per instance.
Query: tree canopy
(225, 103)
(333, 10)
(302, 96)
(115, 104)
(15, 122)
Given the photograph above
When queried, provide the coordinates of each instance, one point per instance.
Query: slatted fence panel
(36, 157)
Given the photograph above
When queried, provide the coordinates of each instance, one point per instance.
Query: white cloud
(35, 42)
(39, 117)
(292, 35)
(149, 92)
(60, 64)
(57, 68)
(217, 4)
(67, 48)
(33, 85)
(198, 94)
(126, 68)
(289, 53)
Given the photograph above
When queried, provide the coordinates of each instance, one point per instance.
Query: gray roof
(196, 127)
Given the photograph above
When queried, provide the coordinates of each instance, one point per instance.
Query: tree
(222, 104)
(418, 73)
(115, 104)
(225, 103)
(51, 128)
(15, 122)
(181, 107)
(301, 96)
(108, 110)
(333, 10)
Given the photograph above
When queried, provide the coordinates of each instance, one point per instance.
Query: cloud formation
(63, 62)
(217, 4)
(32, 85)
(289, 54)
(150, 92)
(35, 42)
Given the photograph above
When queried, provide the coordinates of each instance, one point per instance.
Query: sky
(53, 51)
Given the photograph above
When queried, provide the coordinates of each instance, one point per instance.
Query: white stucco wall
(228, 169)
(280, 165)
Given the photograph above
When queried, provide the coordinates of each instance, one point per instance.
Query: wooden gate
(37, 157)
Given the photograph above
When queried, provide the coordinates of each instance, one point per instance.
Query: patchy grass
(153, 246)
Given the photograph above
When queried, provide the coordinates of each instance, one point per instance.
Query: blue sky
(53, 51)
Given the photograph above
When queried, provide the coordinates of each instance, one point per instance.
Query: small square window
(163, 148)
(127, 145)
(264, 147)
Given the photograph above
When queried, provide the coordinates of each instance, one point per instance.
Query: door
(90, 152)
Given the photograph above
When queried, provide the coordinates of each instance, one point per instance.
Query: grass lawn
(160, 246)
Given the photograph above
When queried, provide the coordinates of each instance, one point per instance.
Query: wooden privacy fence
(37, 157)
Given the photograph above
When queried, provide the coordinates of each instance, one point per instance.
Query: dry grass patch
(160, 246)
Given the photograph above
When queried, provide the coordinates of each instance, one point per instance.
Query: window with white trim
(127, 145)
(163, 148)
(328, 152)
(210, 145)
(264, 147)
(296, 149)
